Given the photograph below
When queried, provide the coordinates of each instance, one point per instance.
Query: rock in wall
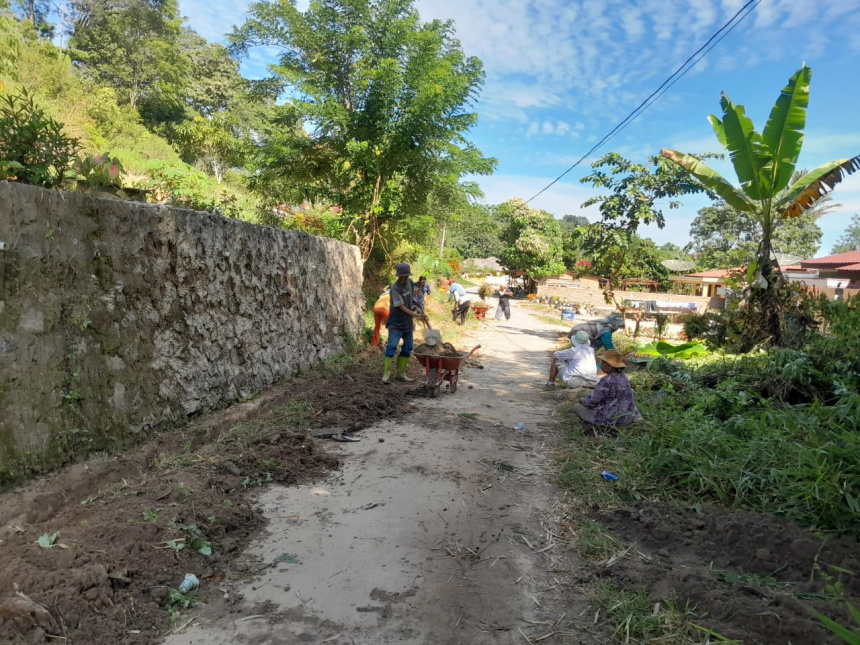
(118, 318)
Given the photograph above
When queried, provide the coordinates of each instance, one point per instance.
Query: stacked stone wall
(119, 318)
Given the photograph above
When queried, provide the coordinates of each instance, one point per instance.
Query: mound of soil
(126, 525)
(756, 578)
(447, 349)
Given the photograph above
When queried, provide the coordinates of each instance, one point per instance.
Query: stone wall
(119, 318)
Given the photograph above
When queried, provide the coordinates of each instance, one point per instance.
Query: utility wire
(680, 76)
(664, 86)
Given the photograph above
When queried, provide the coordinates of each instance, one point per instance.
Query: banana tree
(764, 163)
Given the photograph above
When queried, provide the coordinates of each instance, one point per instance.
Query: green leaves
(751, 159)
(783, 132)
(47, 540)
(380, 106)
(532, 240)
(710, 179)
(34, 149)
(814, 185)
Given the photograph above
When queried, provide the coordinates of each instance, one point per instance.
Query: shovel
(432, 337)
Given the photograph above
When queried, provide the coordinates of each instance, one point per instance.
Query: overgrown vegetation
(774, 430)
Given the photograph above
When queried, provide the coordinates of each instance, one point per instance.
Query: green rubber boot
(386, 371)
(402, 362)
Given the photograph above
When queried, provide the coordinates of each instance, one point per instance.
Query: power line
(664, 86)
(682, 74)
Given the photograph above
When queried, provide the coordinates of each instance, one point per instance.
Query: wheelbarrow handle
(474, 349)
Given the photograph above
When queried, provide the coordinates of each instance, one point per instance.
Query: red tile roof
(714, 273)
(852, 257)
(850, 268)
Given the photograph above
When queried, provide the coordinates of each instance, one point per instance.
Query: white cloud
(565, 197)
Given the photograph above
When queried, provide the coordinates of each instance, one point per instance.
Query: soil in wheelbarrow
(119, 531)
(446, 349)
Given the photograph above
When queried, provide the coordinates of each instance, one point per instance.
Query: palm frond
(751, 159)
(710, 179)
(814, 185)
(783, 132)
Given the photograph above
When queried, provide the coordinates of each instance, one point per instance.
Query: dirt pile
(755, 577)
(446, 349)
(119, 533)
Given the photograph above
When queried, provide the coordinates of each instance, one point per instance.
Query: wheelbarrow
(480, 311)
(442, 368)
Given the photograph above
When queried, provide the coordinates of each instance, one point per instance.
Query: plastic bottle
(608, 476)
(190, 582)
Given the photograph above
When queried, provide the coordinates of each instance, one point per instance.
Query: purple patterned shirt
(612, 401)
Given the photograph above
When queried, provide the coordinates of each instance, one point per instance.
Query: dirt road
(439, 528)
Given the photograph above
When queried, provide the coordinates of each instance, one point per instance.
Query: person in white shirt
(463, 302)
(575, 364)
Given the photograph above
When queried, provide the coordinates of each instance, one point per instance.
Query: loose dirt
(440, 527)
(125, 526)
(443, 525)
(754, 578)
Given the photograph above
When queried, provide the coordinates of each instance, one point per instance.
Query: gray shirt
(401, 294)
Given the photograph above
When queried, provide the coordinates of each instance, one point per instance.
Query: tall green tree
(850, 239)
(764, 163)
(572, 230)
(215, 83)
(215, 143)
(634, 192)
(132, 46)
(724, 238)
(378, 111)
(531, 239)
(37, 13)
(477, 233)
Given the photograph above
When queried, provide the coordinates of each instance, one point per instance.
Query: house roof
(830, 261)
(850, 268)
(488, 264)
(714, 273)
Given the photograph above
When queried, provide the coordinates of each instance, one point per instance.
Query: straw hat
(614, 358)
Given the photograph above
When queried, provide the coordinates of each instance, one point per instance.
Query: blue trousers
(394, 336)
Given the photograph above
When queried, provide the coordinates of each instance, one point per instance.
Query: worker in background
(380, 315)
(400, 324)
(600, 331)
(419, 296)
(462, 302)
(575, 364)
(611, 404)
(504, 308)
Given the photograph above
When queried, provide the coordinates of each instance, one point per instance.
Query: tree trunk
(767, 293)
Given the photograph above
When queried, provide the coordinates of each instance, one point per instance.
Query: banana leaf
(710, 179)
(751, 159)
(783, 132)
(692, 349)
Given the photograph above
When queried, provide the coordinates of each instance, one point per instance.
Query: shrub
(98, 171)
(34, 141)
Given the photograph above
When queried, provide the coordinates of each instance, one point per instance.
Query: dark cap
(402, 270)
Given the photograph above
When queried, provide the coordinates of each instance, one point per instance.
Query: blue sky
(561, 73)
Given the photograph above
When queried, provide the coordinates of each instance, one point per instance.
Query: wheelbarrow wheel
(433, 387)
